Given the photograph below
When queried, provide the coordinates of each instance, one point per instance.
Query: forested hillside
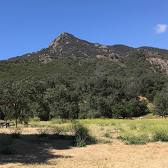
(73, 78)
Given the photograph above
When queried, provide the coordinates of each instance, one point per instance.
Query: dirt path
(115, 155)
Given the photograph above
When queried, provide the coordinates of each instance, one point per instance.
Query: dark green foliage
(14, 100)
(2, 115)
(161, 103)
(131, 108)
(82, 136)
(161, 135)
(71, 88)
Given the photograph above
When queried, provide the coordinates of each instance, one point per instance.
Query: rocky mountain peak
(63, 38)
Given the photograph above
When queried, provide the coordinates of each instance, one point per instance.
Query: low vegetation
(82, 136)
(161, 135)
(134, 139)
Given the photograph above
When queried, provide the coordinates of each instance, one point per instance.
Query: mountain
(74, 78)
(69, 54)
(68, 46)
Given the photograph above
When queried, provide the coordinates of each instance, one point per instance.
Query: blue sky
(29, 25)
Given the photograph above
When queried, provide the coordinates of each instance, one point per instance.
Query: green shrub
(82, 136)
(160, 135)
(80, 141)
(128, 109)
(161, 103)
(134, 139)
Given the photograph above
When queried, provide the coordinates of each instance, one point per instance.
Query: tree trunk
(16, 122)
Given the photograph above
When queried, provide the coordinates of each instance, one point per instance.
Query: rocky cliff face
(66, 45)
(161, 64)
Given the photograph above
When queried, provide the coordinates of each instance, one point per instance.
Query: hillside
(74, 78)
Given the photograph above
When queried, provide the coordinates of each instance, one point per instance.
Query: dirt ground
(114, 155)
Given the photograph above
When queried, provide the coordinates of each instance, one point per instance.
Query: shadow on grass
(32, 149)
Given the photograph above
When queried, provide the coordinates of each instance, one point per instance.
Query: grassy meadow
(107, 130)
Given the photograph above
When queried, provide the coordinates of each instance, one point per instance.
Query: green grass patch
(135, 131)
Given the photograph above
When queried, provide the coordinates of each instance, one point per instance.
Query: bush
(134, 139)
(82, 136)
(128, 109)
(44, 113)
(161, 135)
(161, 103)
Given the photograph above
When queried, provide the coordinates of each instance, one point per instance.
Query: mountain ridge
(67, 45)
(67, 39)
